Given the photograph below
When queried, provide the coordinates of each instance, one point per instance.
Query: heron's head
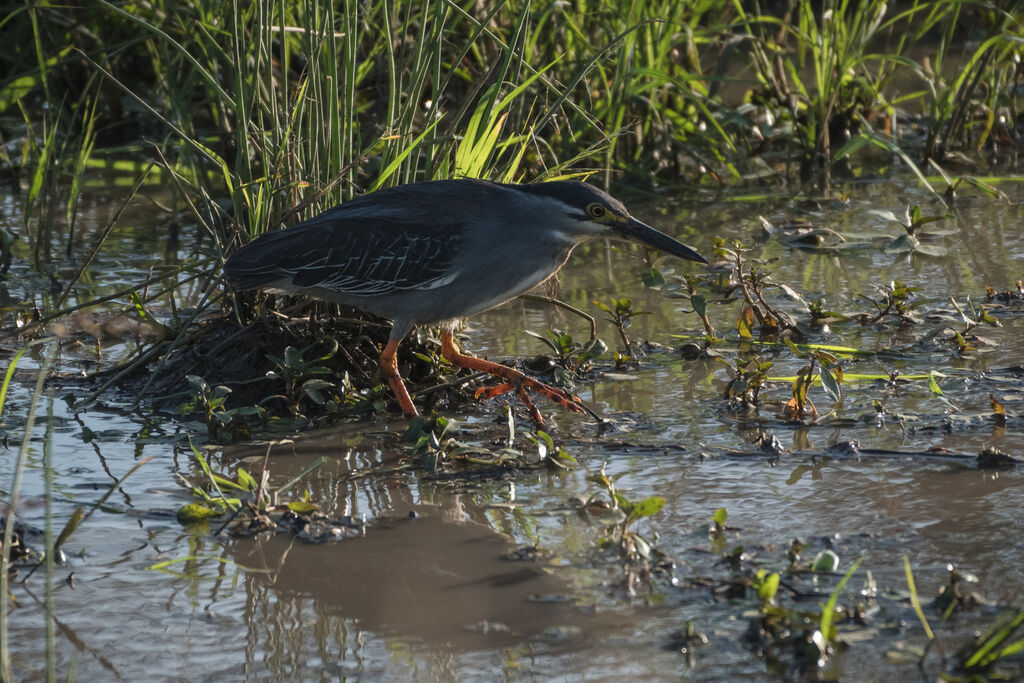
(583, 212)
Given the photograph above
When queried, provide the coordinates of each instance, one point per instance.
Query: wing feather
(354, 255)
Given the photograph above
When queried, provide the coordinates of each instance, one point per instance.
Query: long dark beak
(641, 232)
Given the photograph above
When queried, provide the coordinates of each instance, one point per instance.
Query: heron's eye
(596, 210)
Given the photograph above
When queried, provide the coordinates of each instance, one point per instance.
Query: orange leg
(389, 366)
(514, 380)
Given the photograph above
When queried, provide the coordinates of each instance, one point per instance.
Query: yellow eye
(596, 210)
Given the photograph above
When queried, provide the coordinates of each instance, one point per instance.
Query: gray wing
(350, 254)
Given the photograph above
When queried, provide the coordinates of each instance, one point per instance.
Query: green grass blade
(915, 600)
(827, 612)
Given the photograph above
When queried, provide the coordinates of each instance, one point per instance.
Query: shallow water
(428, 590)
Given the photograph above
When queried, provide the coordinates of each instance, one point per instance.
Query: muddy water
(434, 588)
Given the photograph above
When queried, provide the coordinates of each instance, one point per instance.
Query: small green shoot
(746, 380)
(572, 357)
(718, 521)
(302, 377)
(897, 302)
(554, 456)
(623, 514)
(993, 645)
(825, 634)
(211, 403)
(620, 313)
(766, 585)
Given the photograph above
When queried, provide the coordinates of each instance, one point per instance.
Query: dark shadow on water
(426, 578)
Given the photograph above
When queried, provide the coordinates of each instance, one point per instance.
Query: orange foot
(389, 366)
(514, 380)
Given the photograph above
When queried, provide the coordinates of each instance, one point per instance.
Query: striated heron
(433, 253)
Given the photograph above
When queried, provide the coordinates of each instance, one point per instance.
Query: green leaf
(826, 562)
(190, 513)
(700, 304)
(653, 278)
(828, 381)
(1010, 649)
(196, 383)
(643, 548)
(851, 147)
(314, 388)
(721, 514)
(794, 349)
(415, 430)
(331, 351)
(768, 586)
(224, 481)
(593, 349)
(563, 457)
(745, 323)
(914, 215)
(303, 507)
(648, 506)
(449, 426)
(292, 358)
(246, 480)
(544, 339)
